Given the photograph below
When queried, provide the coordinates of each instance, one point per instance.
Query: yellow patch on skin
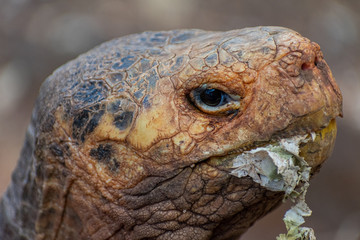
(59, 113)
(184, 142)
(154, 123)
(107, 130)
(198, 127)
(102, 173)
(238, 67)
(130, 169)
(187, 72)
(249, 76)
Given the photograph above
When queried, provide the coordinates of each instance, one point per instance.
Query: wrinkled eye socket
(214, 101)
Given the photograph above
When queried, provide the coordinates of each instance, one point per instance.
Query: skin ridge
(116, 148)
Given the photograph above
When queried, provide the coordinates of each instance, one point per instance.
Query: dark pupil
(211, 97)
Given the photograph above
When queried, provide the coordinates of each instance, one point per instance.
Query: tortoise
(135, 138)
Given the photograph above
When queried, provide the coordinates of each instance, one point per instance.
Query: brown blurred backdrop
(38, 36)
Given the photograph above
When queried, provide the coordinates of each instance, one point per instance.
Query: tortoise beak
(315, 152)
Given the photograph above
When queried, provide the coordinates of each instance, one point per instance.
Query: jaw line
(317, 137)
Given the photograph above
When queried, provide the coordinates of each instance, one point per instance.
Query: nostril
(316, 62)
(307, 66)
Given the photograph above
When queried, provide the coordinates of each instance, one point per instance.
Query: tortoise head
(133, 126)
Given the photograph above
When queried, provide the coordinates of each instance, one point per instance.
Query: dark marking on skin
(56, 150)
(135, 80)
(144, 65)
(114, 106)
(90, 92)
(124, 120)
(93, 123)
(143, 39)
(146, 102)
(67, 150)
(132, 73)
(100, 74)
(182, 37)
(121, 87)
(212, 59)
(123, 112)
(80, 122)
(66, 108)
(152, 78)
(104, 154)
(75, 72)
(141, 85)
(125, 63)
(114, 55)
(60, 151)
(117, 77)
(94, 108)
(178, 64)
(48, 124)
(86, 121)
(156, 52)
(159, 38)
(139, 94)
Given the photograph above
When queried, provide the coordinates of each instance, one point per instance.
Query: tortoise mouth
(315, 147)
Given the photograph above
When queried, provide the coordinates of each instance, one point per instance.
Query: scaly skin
(117, 148)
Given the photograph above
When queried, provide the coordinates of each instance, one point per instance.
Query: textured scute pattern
(117, 149)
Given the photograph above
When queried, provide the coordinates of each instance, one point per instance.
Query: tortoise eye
(213, 97)
(214, 101)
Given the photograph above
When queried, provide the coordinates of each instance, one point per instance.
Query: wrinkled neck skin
(116, 150)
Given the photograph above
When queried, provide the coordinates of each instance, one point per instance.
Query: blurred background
(37, 36)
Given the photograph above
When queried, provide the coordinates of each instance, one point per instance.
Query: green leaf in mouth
(279, 167)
